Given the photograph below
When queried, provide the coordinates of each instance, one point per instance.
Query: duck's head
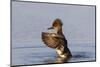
(57, 25)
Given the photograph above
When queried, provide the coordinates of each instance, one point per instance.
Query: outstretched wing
(52, 41)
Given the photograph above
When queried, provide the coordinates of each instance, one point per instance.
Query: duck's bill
(50, 28)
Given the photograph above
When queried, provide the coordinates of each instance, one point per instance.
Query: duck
(57, 40)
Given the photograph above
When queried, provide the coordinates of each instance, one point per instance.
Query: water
(29, 20)
(41, 54)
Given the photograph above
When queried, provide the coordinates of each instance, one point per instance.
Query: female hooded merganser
(57, 40)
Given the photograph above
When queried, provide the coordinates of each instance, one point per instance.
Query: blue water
(29, 20)
(40, 54)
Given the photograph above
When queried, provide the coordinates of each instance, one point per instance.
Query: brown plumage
(57, 40)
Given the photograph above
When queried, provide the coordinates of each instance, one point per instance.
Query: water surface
(42, 55)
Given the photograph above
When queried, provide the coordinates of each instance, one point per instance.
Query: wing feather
(51, 41)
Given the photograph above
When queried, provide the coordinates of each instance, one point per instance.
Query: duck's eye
(55, 24)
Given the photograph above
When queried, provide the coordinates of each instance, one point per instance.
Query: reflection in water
(62, 60)
(57, 60)
(77, 56)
